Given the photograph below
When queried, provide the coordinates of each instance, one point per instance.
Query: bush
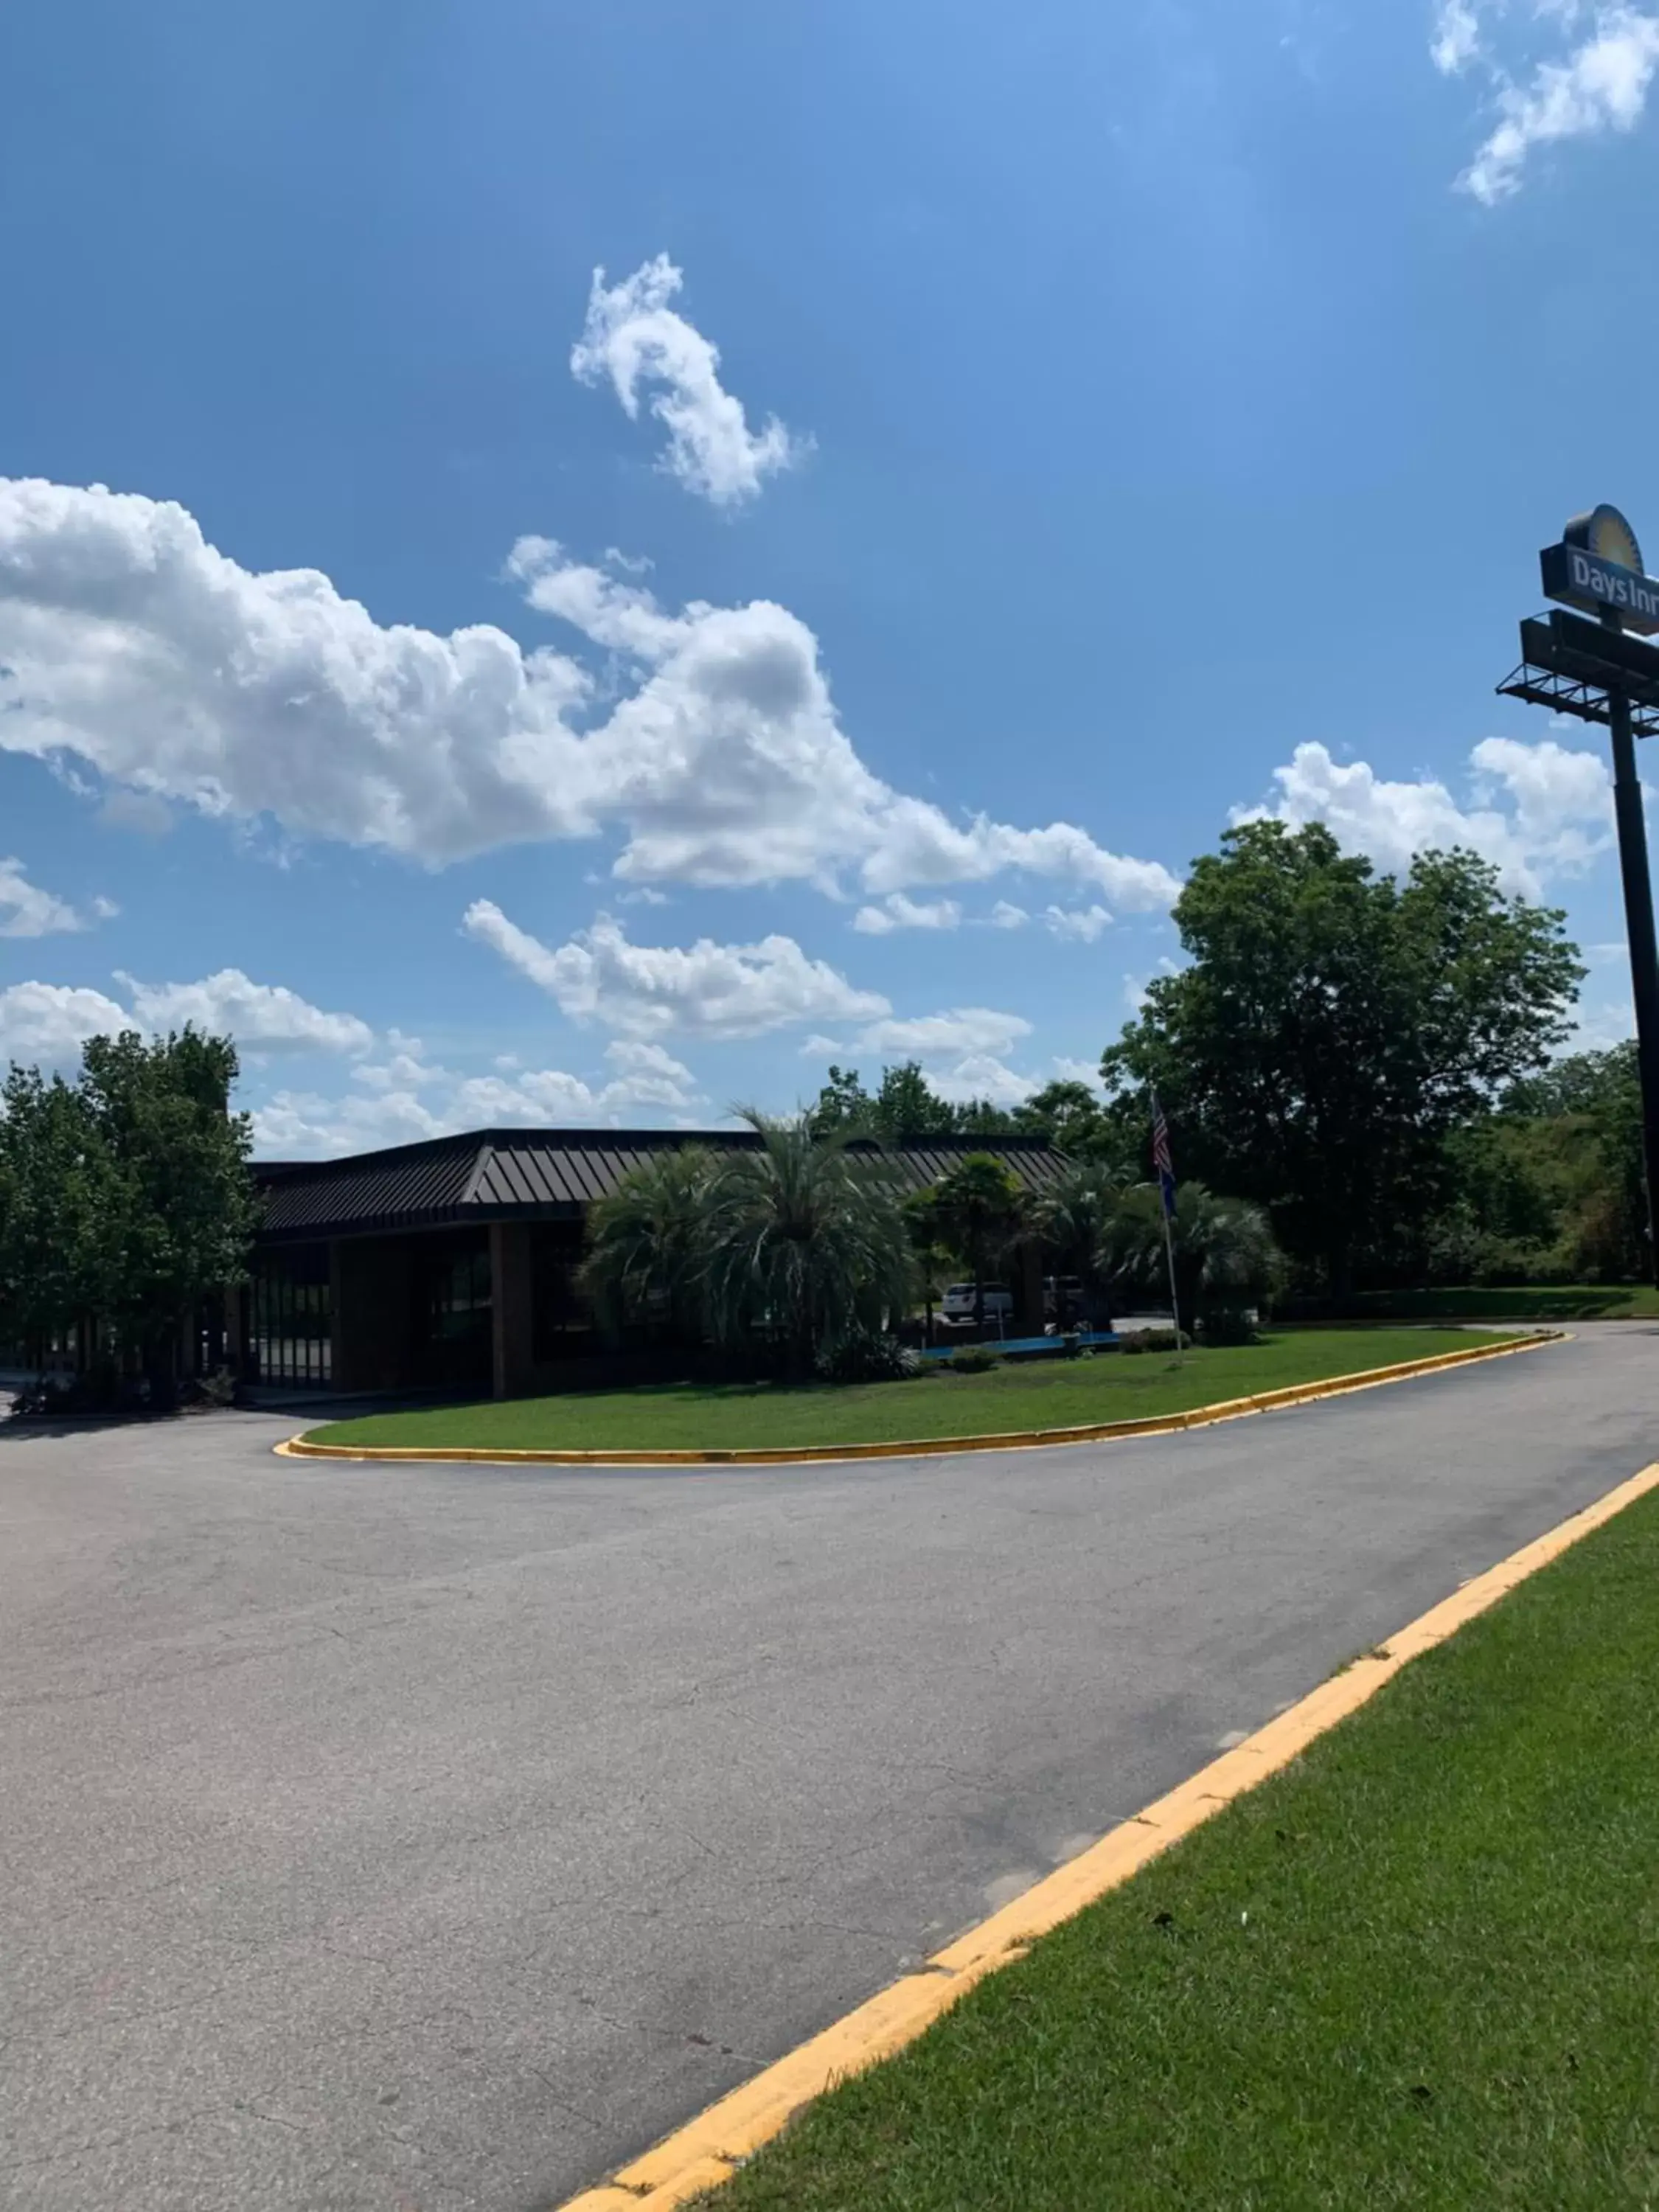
(866, 1356)
(973, 1359)
(1227, 1325)
(1155, 1339)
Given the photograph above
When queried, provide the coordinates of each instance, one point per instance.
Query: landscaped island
(1056, 1394)
(1414, 1968)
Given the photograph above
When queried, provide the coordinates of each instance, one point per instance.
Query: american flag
(1163, 1160)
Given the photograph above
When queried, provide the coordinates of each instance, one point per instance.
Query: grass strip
(1420, 1967)
(1514, 1301)
(1056, 1394)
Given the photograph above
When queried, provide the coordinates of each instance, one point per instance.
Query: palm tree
(644, 1241)
(978, 1208)
(804, 1238)
(1226, 1259)
(932, 1255)
(1073, 1217)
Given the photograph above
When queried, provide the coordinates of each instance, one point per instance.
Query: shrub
(865, 1355)
(973, 1359)
(1155, 1339)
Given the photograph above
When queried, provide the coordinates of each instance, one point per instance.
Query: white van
(959, 1304)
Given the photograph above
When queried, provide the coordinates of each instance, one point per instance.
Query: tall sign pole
(1638, 924)
(1598, 671)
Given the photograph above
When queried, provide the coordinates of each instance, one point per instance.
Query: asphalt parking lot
(437, 1837)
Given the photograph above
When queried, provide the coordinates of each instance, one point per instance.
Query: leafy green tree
(983, 1117)
(804, 1239)
(1587, 1111)
(1074, 1217)
(1226, 1259)
(56, 1196)
(843, 1104)
(979, 1209)
(1332, 1026)
(905, 1105)
(933, 1256)
(180, 1210)
(1071, 1116)
(644, 1258)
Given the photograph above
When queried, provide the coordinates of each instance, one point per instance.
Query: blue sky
(1002, 445)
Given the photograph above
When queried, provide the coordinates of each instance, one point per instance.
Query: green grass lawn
(1418, 1968)
(1518, 1302)
(1047, 1394)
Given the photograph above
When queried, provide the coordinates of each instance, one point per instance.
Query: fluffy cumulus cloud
(897, 912)
(1596, 78)
(648, 991)
(637, 340)
(407, 1097)
(1537, 812)
(131, 646)
(261, 1016)
(45, 1024)
(26, 910)
(962, 1052)
(1081, 924)
(961, 1031)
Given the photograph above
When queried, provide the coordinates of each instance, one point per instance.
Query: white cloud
(897, 912)
(408, 1098)
(1077, 1071)
(703, 989)
(45, 1024)
(1081, 924)
(648, 1062)
(1456, 37)
(138, 810)
(1601, 83)
(27, 911)
(962, 1030)
(960, 1052)
(130, 645)
(1599, 1027)
(400, 1071)
(634, 337)
(981, 1075)
(1541, 810)
(303, 1125)
(1003, 915)
(262, 1017)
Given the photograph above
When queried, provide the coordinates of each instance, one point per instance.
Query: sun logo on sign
(1604, 532)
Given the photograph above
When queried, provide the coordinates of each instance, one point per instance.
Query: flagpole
(1168, 1250)
(1164, 1168)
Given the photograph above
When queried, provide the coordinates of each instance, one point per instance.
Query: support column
(1643, 952)
(510, 1308)
(339, 1361)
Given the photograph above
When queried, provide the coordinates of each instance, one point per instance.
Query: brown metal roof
(488, 1174)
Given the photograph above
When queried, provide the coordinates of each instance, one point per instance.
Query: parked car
(959, 1302)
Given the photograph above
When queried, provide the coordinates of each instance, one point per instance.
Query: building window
(290, 1315)
(452, 1310)
(562, 1321)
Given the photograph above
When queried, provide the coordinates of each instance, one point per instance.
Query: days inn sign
(1598, 567)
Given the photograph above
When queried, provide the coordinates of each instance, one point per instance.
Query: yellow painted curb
(708, 2149)
(1199, 1417)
